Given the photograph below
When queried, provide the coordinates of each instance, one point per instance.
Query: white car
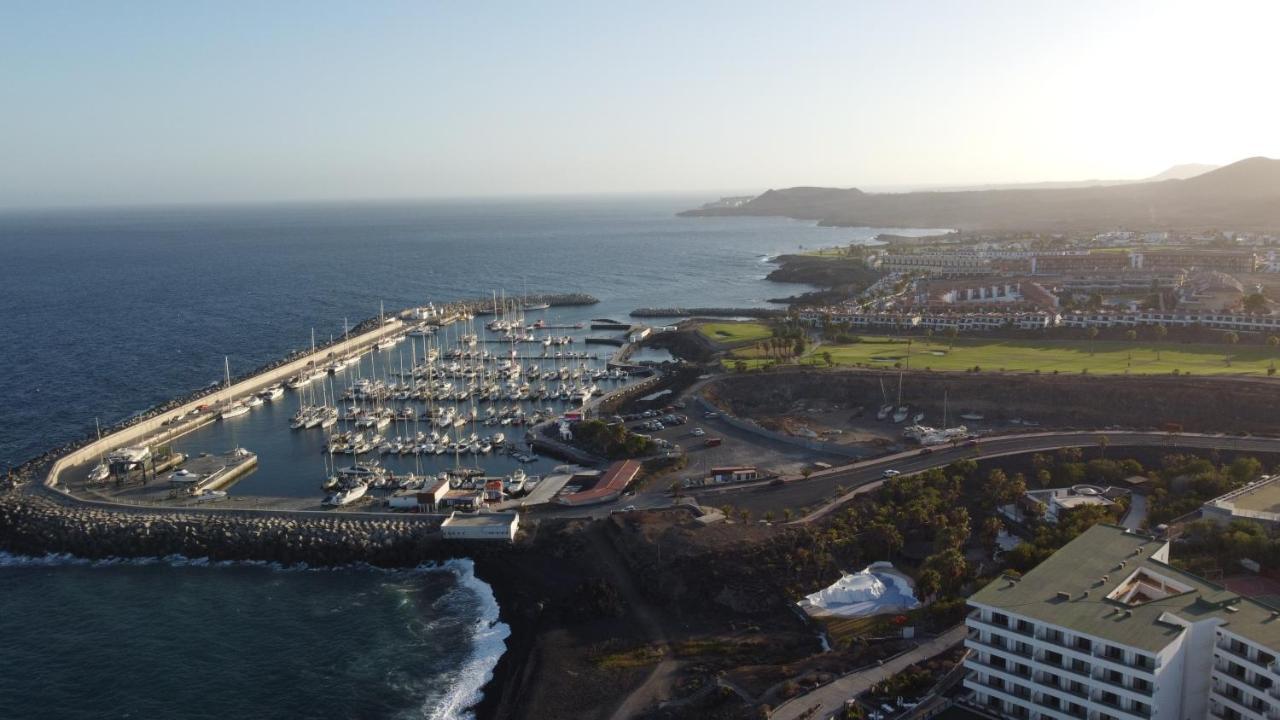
(698, 432)
(890, 473)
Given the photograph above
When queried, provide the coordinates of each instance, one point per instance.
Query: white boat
(185, 477)
(972, 416)
(253, 401)
(102, 470)
(211, 496)
(271, 393)
(234, 410)
(901, 414)
(918, 418)
(346, 497)
(884, 412)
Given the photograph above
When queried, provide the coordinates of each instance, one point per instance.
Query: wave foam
(488, 643)
(488, 638)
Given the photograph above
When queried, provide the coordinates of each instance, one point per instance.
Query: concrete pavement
(830, 697)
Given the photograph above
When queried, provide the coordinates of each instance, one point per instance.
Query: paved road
(800, 492)
(830, 697)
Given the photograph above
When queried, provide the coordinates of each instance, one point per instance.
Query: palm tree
(1131, 336)
(1103, 442)
(951, 335)
(1161, 333)
(1231, 339)
(1093, 335)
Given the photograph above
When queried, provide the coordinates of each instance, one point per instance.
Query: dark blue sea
(105, 313)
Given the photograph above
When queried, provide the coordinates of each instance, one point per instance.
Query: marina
(427, 396)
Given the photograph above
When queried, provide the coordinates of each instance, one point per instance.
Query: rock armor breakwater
(31, 525)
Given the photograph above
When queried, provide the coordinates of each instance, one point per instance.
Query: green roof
(1069, 590)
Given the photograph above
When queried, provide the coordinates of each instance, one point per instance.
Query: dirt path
(830, 697)
(657, 686)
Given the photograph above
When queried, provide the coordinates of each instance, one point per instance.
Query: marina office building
(1106, 629)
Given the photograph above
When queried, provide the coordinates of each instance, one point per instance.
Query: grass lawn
(735, 332)
(1068, 356)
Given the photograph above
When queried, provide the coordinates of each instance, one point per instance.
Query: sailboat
(233, 409)
(101, 471)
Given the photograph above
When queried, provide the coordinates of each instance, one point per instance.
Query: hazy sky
(141, 102)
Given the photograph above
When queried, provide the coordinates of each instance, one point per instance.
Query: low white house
(481, 526)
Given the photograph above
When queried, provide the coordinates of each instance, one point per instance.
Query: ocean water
(176, 638)
(108, 312)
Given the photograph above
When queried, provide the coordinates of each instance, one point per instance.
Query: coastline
(36, 531)
(475, 675)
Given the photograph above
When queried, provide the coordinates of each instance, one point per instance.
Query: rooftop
(1260, 496)
(615, 480)
(480, 519)
(1106, 584)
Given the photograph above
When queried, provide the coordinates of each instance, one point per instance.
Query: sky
(180, 102)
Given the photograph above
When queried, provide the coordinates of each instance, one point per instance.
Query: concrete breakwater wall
(711, 312)
(35, 526)
(484, 306)
(156, 423)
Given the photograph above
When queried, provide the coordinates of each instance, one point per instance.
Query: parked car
(698, 432)
(890, 473)
(713, 442)
(711, 415)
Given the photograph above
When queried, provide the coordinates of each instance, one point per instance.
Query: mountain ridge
(1244, 195)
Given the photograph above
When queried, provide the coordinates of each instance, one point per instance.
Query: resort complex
(1106, 628)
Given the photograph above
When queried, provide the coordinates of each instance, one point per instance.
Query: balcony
(1240, 703)
(1241, 653)
(1025, 629)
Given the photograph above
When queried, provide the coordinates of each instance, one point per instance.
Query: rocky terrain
(1198, 404)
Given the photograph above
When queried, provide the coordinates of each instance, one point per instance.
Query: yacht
(346, 497)
(234, 410)
(253, 401)
(272, 392)
(100, 472)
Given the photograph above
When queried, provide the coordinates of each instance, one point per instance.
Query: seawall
(157, 423)
(32, 525)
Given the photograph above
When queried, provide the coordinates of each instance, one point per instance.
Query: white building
(1106, 629)
(481, 526)
(1258, 501)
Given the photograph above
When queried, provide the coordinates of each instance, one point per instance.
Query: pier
(185, 418)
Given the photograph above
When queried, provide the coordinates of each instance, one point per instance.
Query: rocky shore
(36, 526)
(33, 525)
(708, 312)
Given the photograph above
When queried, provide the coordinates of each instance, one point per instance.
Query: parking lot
(710, 443)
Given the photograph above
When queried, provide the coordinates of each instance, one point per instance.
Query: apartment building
(939, 263)
(1107, 629)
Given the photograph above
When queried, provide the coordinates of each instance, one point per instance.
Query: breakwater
(709, 312)
(31, 525)
(484, 306)
(371, 327)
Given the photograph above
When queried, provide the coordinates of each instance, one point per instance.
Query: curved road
(797, 492)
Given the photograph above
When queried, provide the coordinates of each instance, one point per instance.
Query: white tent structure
(876, 589)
